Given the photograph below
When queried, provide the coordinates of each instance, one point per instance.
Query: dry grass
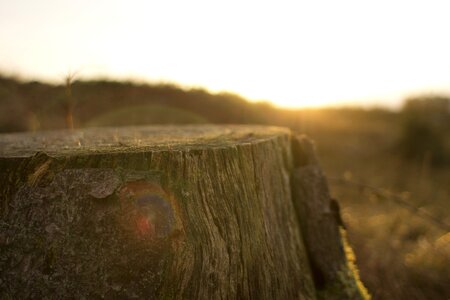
(400, 254)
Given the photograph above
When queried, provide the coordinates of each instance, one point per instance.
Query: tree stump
(195, 212)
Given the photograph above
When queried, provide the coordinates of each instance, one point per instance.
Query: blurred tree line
(36, 106)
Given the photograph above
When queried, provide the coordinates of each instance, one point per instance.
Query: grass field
(392, 179)
(401, 253)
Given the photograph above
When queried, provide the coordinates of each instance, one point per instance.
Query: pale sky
(292, 53)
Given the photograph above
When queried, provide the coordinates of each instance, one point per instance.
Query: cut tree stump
(195, 212)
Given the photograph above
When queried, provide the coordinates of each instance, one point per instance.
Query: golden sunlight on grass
(369, 82)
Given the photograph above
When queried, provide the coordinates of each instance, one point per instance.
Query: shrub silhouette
(425, 129)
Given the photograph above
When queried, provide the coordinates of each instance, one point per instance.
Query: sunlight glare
(293, 54)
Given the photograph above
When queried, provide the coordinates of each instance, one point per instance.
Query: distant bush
(425, 131)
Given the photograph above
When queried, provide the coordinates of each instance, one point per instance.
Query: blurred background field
(390, 169)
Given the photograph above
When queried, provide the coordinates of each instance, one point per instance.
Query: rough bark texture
(320, 219)
(155, 212)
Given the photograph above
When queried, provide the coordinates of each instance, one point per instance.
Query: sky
(292, 53)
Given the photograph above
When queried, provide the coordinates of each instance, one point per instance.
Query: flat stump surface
(133, 139)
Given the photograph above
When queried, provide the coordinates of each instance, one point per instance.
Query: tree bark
(335, 277)
(196, 212)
